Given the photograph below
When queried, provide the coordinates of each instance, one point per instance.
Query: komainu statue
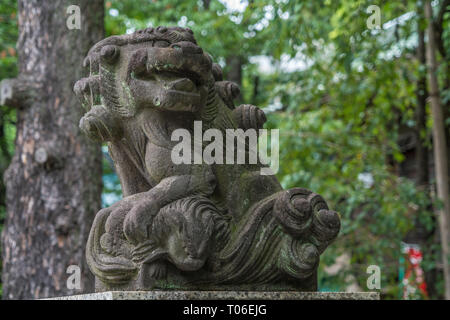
(189, 226)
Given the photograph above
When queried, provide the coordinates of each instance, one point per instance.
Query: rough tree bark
(439, 148)
(54, 180)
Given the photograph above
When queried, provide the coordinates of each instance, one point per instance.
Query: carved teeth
(187, 47)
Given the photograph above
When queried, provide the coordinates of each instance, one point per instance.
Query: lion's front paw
(138, 221)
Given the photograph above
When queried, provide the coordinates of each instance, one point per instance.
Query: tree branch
(16, 93)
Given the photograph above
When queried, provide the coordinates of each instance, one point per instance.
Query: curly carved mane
(219, 92)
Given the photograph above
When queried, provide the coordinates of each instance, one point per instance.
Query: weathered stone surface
(222, 295)
(189, 226)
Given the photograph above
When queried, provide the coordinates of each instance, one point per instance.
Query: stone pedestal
(222, 295)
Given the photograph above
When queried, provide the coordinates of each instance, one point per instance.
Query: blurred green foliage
(337, 91)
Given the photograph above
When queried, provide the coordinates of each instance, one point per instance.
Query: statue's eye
(162, 44)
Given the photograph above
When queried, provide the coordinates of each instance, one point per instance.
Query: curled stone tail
(110, 269)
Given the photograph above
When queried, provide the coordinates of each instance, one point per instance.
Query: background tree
(440, 148)
(345, 99)
(53, 183)
(351, 103)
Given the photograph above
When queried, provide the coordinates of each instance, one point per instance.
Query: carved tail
(251, 254)
(281, 234)
(109, 269)
(304, 216)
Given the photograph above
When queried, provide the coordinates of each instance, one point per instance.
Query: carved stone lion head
(159, 67)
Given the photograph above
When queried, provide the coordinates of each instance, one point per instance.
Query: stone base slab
(222, 295)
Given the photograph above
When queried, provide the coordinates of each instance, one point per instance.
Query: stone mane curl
(112, 100)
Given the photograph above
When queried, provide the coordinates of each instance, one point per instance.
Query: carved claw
(139, 219)
(88, 91)
(149, 273)
(101, 125)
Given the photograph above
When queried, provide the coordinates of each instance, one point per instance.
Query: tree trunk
(440, 148)
(54, 180)
(425, 238)
(234, 73)
(206, 4)
(440, 23)
(422, 178)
